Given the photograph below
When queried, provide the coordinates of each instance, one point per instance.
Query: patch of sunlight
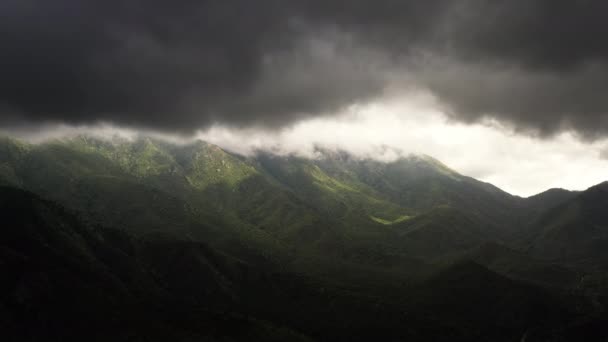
(329, 182)
(389, 222)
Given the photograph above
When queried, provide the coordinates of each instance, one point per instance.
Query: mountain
(422, 183)
(518, 265)
(359, 246)
(65, 279)
(441, 233)
(335, 205)
(502, 306)
(575, 231)
(549, 199)
(279, 203)
(276, 201)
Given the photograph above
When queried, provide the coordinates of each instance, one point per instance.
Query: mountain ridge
(362, 235)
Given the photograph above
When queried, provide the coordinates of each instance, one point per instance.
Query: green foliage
(341, 197)
(141, 158)
(209, 165)
(393, 221)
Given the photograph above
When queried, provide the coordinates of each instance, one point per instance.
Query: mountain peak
(424, 159)
(552, 193)
(601, 186)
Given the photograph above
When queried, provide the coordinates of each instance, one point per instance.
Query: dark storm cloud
(541, 65)
(181, 65)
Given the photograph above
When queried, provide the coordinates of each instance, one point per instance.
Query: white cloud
(518, 164)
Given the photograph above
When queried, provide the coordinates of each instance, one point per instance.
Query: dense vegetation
(147, 240)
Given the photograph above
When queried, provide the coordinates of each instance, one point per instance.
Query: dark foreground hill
(66, 280)
(575, 231)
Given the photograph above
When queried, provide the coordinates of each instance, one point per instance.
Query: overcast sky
(512, 92)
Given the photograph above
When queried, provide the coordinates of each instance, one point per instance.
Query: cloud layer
(540, 66)
(387, 130)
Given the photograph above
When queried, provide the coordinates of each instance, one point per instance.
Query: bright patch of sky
(519, 164)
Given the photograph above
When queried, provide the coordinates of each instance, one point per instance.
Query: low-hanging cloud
(539, 65)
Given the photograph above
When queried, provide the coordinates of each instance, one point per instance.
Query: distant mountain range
(148, 240)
